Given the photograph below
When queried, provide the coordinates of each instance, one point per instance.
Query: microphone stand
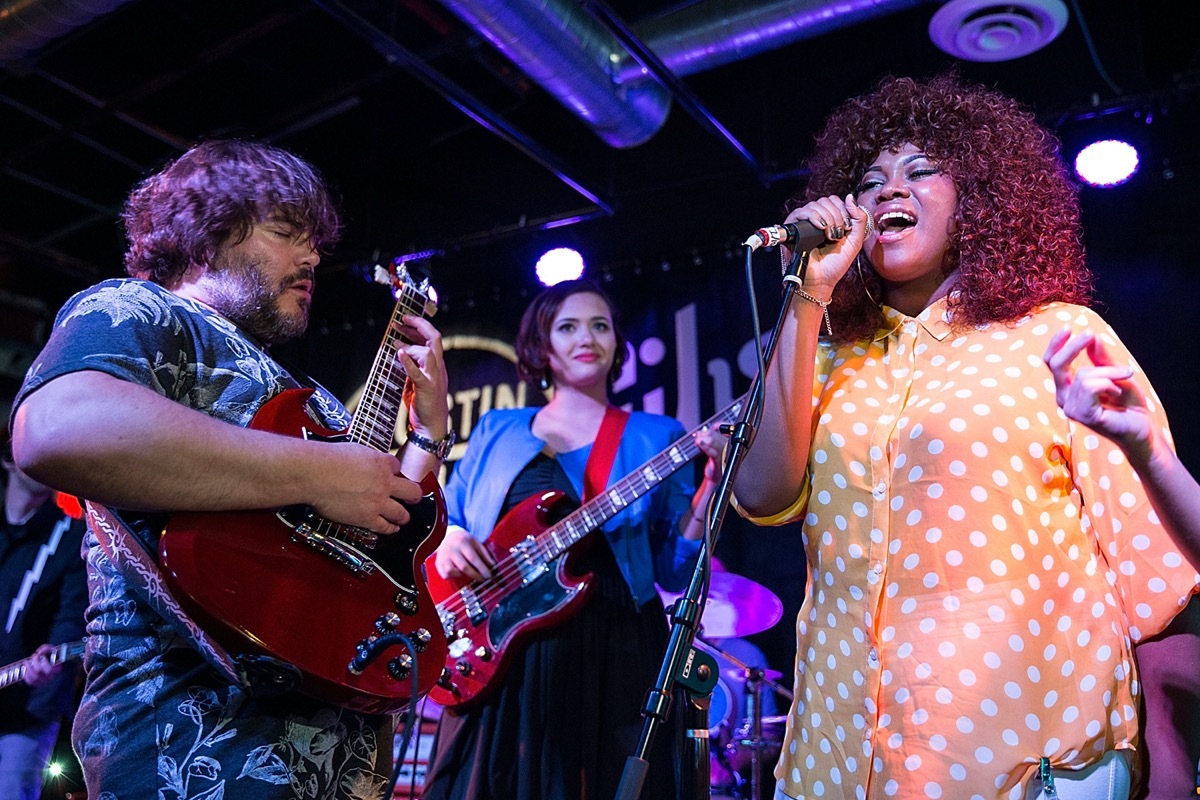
(695, 669)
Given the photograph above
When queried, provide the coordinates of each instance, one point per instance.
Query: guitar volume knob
(463, 667)
(406, 604)
(400, 667)
(387, 622)
(446, 681)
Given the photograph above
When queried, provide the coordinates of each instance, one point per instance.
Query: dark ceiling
(373, 92)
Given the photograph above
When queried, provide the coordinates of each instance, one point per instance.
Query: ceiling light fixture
(987, 30)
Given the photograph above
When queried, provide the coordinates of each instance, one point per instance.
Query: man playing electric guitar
(143, 400)
(43, 592)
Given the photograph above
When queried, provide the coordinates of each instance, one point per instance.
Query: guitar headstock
(417, 298)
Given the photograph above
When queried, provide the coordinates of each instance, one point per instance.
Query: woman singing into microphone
(980, 567)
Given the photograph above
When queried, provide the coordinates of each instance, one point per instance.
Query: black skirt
(567, 713)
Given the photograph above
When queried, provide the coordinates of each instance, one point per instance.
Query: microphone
(798, 235)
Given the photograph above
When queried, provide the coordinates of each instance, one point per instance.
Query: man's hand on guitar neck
(39, 670)
(425, 391)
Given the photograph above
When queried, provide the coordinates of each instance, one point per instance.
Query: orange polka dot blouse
(979, 567)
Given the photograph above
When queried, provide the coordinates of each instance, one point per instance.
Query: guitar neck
(557, 539)
(15, 672)
(378, 411)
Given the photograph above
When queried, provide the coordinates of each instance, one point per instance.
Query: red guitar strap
(604, 451)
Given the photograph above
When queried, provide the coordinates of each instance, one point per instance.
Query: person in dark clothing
(43, 594)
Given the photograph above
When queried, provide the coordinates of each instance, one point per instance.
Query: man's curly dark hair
(1018, 240)
(215, 192)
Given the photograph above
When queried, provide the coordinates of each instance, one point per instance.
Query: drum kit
(743, 753)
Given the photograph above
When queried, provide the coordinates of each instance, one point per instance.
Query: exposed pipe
(27, 25)
(708, 34)
(463, 100)
(570, 55)
(680, 93)
(583, 66)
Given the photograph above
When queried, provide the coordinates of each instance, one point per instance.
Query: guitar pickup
(528, 559)
(472, 605)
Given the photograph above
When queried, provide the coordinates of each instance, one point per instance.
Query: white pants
(1107, 779)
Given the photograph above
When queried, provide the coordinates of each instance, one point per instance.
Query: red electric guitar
(531, 587)
(293, 586)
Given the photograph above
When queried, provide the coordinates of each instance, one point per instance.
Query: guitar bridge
(339, 551)
(447, 618)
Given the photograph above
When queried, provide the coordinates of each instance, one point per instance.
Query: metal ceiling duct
(571, 55)
(576, 59)
(27, 25)
(700, 36)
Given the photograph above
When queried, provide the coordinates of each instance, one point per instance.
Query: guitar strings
(508, 567)
(387, 366)
(375, 394)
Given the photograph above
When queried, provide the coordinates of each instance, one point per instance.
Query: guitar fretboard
(374, 423)
(15, 672)
(557, 539)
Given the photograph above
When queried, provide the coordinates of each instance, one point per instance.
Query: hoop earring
(862, 278)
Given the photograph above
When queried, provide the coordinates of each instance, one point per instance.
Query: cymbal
(736, 606)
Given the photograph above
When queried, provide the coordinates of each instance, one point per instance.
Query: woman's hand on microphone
(845, 226)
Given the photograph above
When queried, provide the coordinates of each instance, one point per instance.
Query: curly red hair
(1018, 240)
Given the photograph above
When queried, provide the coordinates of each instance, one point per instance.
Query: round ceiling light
(987, 30)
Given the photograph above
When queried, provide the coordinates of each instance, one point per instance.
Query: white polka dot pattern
(979, 568)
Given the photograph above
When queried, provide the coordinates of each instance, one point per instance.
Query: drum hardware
(756, 741)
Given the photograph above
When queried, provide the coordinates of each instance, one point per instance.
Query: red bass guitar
(532, 586)
(293, 586)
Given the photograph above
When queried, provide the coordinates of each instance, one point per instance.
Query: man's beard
(241, 293)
